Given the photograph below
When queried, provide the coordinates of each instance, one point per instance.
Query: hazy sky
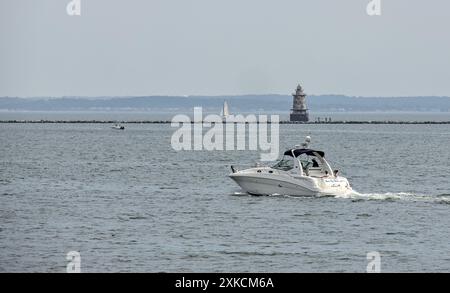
(186, 47)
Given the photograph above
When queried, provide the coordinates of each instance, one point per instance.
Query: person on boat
(315, 164)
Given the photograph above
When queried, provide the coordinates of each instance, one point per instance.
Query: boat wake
(387, 196)
(397, 196)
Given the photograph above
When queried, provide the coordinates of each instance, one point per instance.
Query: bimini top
(298, 152)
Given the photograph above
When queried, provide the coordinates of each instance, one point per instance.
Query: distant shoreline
(168, 122)
(237, 103)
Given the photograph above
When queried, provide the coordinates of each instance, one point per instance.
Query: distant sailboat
(225, 110)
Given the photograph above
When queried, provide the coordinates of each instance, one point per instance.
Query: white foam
(406, 196)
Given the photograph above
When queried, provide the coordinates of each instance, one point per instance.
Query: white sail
(225, 109)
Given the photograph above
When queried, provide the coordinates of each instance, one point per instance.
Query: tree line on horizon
(241, 103)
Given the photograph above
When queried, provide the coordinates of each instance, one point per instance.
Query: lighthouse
(299, 111)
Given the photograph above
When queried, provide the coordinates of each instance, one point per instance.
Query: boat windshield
(309, 161)
(286, 164)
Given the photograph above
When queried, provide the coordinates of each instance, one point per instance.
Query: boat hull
(257, 184)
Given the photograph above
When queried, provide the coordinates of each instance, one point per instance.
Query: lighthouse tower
(299, 110)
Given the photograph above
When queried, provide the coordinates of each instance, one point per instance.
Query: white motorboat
(118, 127)
(301, 172)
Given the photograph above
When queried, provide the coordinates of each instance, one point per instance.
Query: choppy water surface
(127, 202)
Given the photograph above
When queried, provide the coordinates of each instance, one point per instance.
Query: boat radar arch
(307, 141)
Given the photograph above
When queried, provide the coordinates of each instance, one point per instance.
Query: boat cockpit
(305, 162)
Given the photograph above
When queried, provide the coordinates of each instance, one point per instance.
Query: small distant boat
(118, 127)
(225, 110)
